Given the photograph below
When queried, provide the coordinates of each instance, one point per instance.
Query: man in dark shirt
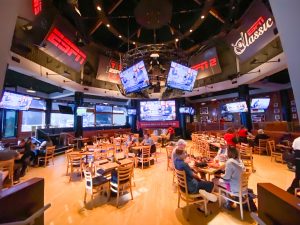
(194, 183)
(11, 154)
(260, 135)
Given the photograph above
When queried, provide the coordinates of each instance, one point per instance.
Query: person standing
(295, 183)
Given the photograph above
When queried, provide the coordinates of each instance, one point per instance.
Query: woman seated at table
(230, 137)
(131, 141)
(194, 183)
(148, 141)
(234, 167)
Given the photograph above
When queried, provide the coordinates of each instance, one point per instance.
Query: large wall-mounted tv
(135, 78)
(235, 107)
(157, 110)
(104, 108)
(131, 111)
(15, 101)
(65, 109)
(260, 103)
(81, 111)
(181, 77)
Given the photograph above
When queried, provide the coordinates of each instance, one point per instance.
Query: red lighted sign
(205, 64)
(36, 7)
(66, 46)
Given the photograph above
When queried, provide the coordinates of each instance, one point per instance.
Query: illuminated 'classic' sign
(36, 7)
(259, 27)
(66, 46)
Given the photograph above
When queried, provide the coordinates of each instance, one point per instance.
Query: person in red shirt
(171, 133)
(243, 133)
(230, 137)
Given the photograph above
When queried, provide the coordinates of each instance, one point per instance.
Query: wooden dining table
(209, 170)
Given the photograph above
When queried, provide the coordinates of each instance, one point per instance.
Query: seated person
(230, 137)
(260, 135)
(131, 141)
(243, 133)
(181, 144)
(170, 133)
(286, 139)
(11, 154)
(234, 167)
(148, 141)
(195, 184)
(222, 153)
(296, 181)
(42, 149)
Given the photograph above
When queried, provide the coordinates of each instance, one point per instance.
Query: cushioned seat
(99, 180)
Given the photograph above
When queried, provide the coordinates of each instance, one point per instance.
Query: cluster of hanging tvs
(135, 78)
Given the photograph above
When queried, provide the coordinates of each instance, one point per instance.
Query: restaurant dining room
(149, 112)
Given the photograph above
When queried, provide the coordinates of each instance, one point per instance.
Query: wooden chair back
(181, 181)
(271, 145)
(8, 165)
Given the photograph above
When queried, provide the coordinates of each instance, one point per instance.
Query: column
(9, 11)
(78, 99)
(48, 112)
(287, 17)
(181, 117)
(285, 105)
(243, 91)
(132, 118)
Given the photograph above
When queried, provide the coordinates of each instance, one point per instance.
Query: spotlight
(98, 8)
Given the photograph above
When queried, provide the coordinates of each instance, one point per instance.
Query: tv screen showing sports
(185, 110)
(260, 103)
(104, 108)
(157, 110)
(131, 111)
(135, 78)
(65, 109)
(15, 101)
(235, 107)
(181, 77)
(81, 111)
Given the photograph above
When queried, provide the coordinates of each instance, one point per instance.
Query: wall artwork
(277, 117)
(204, 110)
(276, 110)
(275, 105)
(294, 116)
(294, 109)
(293, 102)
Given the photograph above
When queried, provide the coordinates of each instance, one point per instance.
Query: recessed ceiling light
(105, 103)
(191, 30)
(30, 90)
(36, 98)
(203, 103)
(213, 99)
(120, 36)
(202, 17)
(176, 39)
(133, 42)
(107, 25)
(98, 8)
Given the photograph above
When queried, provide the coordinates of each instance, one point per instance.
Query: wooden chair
(247, 157)
(262, 146)
(145, 156)
(185, 196)
(94, 185)
(242, 195)
(8, 165)
(49, 155)
(75, 163)
(275, 154)
(169, 150)
(124, 176)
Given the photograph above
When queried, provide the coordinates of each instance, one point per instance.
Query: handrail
(30, 220)
(255, 218)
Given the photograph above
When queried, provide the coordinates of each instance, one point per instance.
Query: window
(88, 120)
(103, 119)
(9, 123)
(62, 120)
(32, 119)
(38, 104)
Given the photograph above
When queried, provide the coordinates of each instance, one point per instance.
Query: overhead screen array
(157, 110)
(15, 101)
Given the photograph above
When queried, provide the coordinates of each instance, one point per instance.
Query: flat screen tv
(15, 101)
(181, 77)
(104, 108)
(81, 111)
(260, 103)
(131, 111)
(135, 78)
(157, 110)
(185, 110)
(235, 107)
(65, 109)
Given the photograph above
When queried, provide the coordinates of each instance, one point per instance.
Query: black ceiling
(15, 79)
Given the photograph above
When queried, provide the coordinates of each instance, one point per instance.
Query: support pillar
(48, 112)
(78, 99)
(243, 91)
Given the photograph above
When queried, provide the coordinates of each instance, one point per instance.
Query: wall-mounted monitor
(235, 107)
(65, 109)
(104, 108)
(81, 111)
(260, 103)
(181, 77)
(135, 78)
(15, 101)
(157, 110)
(131, 111)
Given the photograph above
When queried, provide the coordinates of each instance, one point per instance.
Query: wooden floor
(155, 201)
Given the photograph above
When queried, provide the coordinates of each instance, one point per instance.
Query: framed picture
(277, 117)
(275, 105)
(204, 110)
(276, 110)
(294, 116)
(293, 102)
(294, 109)
(204, 118)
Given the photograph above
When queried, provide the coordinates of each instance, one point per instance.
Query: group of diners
(24, 154)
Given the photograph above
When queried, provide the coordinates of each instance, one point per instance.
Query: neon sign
(36, 7)
(258, 28)
(205, 64)
(66, 46)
